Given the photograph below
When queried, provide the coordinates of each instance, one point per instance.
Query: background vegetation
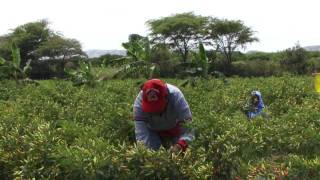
(171, 47)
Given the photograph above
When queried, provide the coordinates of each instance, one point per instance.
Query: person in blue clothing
(255, 106)
(160, 112)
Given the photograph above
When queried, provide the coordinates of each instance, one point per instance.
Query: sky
(105, 24)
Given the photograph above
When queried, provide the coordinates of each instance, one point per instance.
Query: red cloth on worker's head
(154, 97)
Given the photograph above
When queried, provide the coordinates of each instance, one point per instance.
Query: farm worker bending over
(255, 105)
(160, 110)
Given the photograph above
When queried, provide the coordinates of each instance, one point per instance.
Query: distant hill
(252, 52)
(92, 53)
(307, 48)
(312, 48)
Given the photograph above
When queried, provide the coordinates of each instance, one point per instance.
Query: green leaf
(2, 61)
(203, 60)
(16, 59)
(202, 53)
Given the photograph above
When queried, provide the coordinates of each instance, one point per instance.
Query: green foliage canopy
(228, 35)
(37, 41)
(58, 47)
(295, 60)
(180, 32)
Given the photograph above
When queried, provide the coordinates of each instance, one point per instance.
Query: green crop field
(58, 131)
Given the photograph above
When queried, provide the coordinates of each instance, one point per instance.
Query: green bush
(256, 68)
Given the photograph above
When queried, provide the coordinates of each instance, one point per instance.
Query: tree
(37, 41)
(162, 56)
(295, 60)
(58, 47)
(5, 47)
(228, 35)
(29, 37)
(180, 32)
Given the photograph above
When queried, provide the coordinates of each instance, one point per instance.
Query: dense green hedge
(58, 131)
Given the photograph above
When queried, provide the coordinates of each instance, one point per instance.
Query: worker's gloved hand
(181, 146)
(176, 148)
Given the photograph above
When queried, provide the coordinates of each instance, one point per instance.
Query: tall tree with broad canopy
(228, 35)
(28, 38)
(180, 32)
(60, 48)
(37, 41)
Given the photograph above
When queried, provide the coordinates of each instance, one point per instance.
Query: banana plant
(203, 61)
(83, 75)
(2, 61)
(2, 69)
(198, 68)
(139, 60)
(139, 49)
(12, 69)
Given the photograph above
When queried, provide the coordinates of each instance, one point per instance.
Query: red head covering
(154, 97)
